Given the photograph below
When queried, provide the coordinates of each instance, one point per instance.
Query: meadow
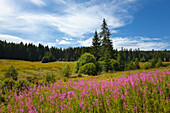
(117, 92)
(138, 92)
(27, 68)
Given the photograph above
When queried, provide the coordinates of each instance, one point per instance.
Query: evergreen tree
(96, 46)
(107, 47)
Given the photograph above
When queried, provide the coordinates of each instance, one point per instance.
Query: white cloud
(63, 42)
(38, 2)
(57, 40)
(75, 19)
(138, 42)
(67, 38)
(15, 39)
(85, 43)
(113, 31)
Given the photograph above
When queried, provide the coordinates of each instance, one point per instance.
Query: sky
(143, 24)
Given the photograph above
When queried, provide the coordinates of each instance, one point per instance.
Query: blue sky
(143, 24)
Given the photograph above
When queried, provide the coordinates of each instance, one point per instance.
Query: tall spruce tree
(96, 46)
(107, 47)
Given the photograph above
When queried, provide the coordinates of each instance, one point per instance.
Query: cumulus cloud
(71, 17)
(138, 42)
(86, 43)
(63, 42)
(14, 39)
(67, 38)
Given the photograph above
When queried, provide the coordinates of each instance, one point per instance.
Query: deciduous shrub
(50, 77)
(11, 73)
(159, 63)
(66, 71)
(89, 68)
(84, 59)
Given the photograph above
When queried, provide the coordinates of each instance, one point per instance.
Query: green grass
(26, 68)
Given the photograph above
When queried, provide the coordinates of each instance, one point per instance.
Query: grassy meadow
(131, 91)
(26, 68)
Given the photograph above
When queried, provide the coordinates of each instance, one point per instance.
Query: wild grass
(133, 93)
(26, 68)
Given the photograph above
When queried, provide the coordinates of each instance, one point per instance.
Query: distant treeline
(31, 52)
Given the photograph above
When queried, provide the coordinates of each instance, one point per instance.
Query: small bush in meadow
(45, 59)
(11, 73)
(159, 63)
(50, 77)
(84, 59)
(8, 82)
(22, 84)
(65, 72)
(89, 68)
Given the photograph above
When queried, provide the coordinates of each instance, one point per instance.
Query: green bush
(45, 59)
(8, 82)
(50, 77)
(32, 79)
(159, 63)
(22, 84)
(89, 68)
(84, 59)
(153, 63)
(147, 66)
(11, 73)
(66, 71)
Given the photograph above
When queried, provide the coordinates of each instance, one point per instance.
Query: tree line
(101, 48)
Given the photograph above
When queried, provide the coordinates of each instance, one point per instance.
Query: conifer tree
(96, 46)
(107, 48)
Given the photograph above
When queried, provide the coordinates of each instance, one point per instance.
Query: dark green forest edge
(104, 57)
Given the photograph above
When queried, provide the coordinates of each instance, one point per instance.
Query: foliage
(22, 84)
(84, 59)
(45, 59)
(50, 78)
(96, 46)
(11, 73)
(8, 82)
(114, 64)
(66, 71)
(159, 63)
(89, 68)
(107, 47)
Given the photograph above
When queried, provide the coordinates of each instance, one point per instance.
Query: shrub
(8, 82)
(142, 59)
(89, 68)
(11, 73)
(22, 84)
(136, 63)
(32, 79)
(76, 68)
(66, 71)
(147, 66)
(153, 63)
(159, 63)
(45, 59)
(50, 78)
(84, 59)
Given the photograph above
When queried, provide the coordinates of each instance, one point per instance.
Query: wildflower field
(138, 92)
